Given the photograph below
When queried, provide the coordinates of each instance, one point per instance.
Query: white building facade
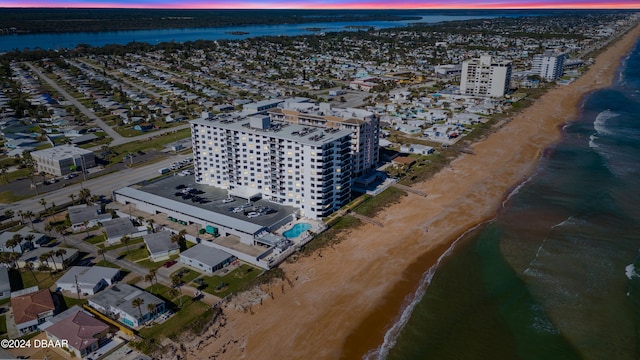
(363, 125)
(62, 160)
(304, 167)
(549, 65)
(485, 77)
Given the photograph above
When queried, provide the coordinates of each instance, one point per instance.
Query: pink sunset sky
(325, 4)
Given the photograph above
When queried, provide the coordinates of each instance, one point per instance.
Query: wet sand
(339, 303)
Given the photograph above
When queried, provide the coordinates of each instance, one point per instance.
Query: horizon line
(568, 7)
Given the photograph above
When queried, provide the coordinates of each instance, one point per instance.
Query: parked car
(228, 200)
(252, 215)
(169, 263)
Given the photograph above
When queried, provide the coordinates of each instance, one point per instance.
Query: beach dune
(339, 303)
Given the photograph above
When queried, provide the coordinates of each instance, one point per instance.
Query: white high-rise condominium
(484, 77)
(304, 167)
(549, 65)
(363, 125)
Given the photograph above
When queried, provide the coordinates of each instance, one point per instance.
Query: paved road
(117, 138)
(103, 185)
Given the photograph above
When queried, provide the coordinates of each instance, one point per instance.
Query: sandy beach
(339, 302)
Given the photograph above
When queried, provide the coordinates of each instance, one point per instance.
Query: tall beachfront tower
(363, 125)
(300, 166)
(549, 65)
(484, 77)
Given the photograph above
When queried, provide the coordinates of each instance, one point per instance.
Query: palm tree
(5, 259)
(176, 282)
(29, 214)
(51, 254)
(137, 302)
(13, 257)
(151, 224)
(29, 266)
(179, 238)
(21, 214)
(29, 238)
(60, 253)
(73, 198)
(125, 240)
(84, 195)
(149, 278)
(15, 241)
(52, 209)
(44, 258)
(9, 214)
(43, 202)
(102, 252)
(48, 227)
(61, 229)
(151, 308)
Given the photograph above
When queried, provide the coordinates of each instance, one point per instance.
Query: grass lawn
(107, 264)
(70, 301)
(131, 244)
(45, 279)
(95, 239)
(234, 280)
(135, 254)
(9, 197)
(188, 276)
(190, 312)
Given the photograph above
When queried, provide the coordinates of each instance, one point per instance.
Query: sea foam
(630, 271)
(600, 124)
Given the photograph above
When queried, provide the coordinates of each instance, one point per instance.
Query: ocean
(556, 274)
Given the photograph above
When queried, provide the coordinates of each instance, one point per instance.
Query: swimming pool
(296, 230)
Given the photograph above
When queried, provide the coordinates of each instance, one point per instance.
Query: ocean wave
(630, 271)
(600, 124)
(592, 141)
(409, 304)
(516, 190)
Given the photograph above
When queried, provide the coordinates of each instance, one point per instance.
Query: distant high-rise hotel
(484, 77)
(549, 65)
(363, 125)
(301, 166)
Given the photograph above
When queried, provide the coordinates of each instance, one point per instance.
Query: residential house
(118, 228)
(160, 245)
(87, 279)
(206, 258)
(84, 216)
(32, 309)
(117, 302)
(83, 332)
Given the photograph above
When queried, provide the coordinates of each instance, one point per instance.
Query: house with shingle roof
(32, 309)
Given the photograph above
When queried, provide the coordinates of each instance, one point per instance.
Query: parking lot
(185, 190)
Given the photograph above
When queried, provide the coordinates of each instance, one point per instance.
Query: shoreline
(340, 302)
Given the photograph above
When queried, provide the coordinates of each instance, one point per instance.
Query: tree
(5, 259)
(29, 238)
(60, 253)
(29, 215)
(84, 195)
(43, 202)
(137, 302)
(125, 240)
(151, 224)
(51, 254)
(44, 258)
(21, 214)
(176, 282)
(13, 257)
(61, 229)
(149, 277)
(103, 253)
(73, 198)
(48, 228)
(15, 241)
(180, 239)
(9, 214)
(29, 266)
(151, 308)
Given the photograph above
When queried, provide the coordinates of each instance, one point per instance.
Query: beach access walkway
(409, 189)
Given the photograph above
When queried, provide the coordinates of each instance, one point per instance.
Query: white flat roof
(61, 152)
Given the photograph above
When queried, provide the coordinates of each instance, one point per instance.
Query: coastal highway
(103, 185)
